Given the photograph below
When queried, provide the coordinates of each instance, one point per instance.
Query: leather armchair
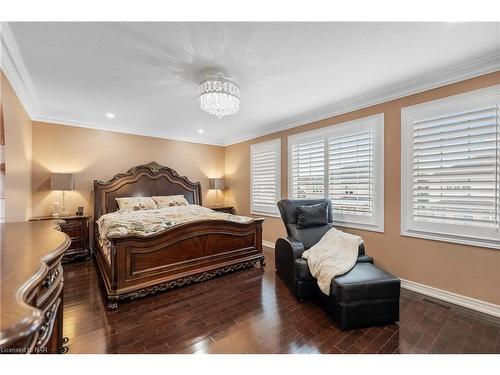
(290, 265)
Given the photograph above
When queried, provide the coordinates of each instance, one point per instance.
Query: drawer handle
(47, 325)
(50, 278)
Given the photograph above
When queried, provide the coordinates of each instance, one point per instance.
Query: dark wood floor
(252, 311)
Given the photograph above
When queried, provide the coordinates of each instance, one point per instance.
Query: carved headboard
(145, 181)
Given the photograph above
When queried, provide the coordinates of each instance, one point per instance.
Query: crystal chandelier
(219, 96)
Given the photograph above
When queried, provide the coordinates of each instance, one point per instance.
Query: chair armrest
(301, 270)
(361, 249)
(291, 246)
(364, 259)
(286, 251)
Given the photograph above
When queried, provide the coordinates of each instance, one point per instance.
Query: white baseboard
(268, 244)
(457, 299)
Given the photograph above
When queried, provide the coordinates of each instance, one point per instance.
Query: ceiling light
(201, 131)
(110, 115)
(219, 96)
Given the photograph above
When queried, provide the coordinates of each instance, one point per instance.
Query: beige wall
(467, 270)
(94, 154)
(18, 154)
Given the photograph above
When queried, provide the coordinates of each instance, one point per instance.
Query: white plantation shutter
(265, 177)
(345, 163)
(456, 168)
(452, 187)
(350, 175)
(308, 169)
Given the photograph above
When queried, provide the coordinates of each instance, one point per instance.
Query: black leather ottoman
(365, 296)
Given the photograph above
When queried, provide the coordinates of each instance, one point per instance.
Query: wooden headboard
(145, 181)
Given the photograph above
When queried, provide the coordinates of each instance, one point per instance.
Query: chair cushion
(312, 215)
(309, 236)
(365, 281)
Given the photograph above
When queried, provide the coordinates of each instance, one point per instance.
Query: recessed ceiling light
(110, 115)
(201, 131)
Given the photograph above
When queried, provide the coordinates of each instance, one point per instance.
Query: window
(344, 163)
(308, 168)
(265, 171)
(451, 169)
(350, 165)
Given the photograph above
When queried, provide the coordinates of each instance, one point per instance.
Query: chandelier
(219, 96)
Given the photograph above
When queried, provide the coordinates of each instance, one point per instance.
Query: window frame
(375, 123)
(273, 143)
(454, 233)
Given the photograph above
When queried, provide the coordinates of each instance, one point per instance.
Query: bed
(137, 265)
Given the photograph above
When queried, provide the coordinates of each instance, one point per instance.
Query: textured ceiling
(147, 74)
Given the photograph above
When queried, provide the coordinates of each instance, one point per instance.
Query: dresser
(32, 287)
(77, 228)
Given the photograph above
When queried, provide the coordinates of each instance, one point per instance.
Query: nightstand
(77, 228)
(226, 209)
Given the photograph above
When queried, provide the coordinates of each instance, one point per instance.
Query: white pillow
(128, 203)
(170, 200)
(135, 203)
(147, 203)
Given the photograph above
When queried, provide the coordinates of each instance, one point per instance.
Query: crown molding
(483, 65)
(117, 129)
(14, 69)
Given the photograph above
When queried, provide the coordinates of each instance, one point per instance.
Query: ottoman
(365, 296)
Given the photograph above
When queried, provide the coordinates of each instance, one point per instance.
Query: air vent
(437, 304)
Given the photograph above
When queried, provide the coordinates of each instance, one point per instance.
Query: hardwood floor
(251, 311)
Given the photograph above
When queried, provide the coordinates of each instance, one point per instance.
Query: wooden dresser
(77, 228)
(32, 287)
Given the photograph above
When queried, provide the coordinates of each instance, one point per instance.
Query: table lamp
(216, 184)
(63, 182)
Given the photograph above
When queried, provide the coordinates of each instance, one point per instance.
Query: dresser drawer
(76, 243)
(74, 233)
(72, 225)
(52, 285)
(51, 328)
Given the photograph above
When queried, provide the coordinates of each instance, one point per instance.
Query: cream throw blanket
(335, 254)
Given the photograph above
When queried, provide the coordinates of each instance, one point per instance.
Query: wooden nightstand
(77, 228)
(226, 209)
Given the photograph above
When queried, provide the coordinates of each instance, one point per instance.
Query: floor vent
(437, 304)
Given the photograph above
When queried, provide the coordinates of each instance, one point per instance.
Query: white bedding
(150, 222)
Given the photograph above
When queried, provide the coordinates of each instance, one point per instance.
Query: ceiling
(147, 74)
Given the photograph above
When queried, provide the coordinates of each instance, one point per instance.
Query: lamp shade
(216, 183)
(61, 181)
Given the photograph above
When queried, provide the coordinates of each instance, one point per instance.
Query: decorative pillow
(148, 203)
(128, 203)
(312, 216)
(170, 200)
(136, 203)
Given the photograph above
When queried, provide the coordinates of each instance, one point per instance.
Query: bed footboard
(180, 256)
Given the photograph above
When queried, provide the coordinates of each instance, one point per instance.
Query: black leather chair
(364, 296)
